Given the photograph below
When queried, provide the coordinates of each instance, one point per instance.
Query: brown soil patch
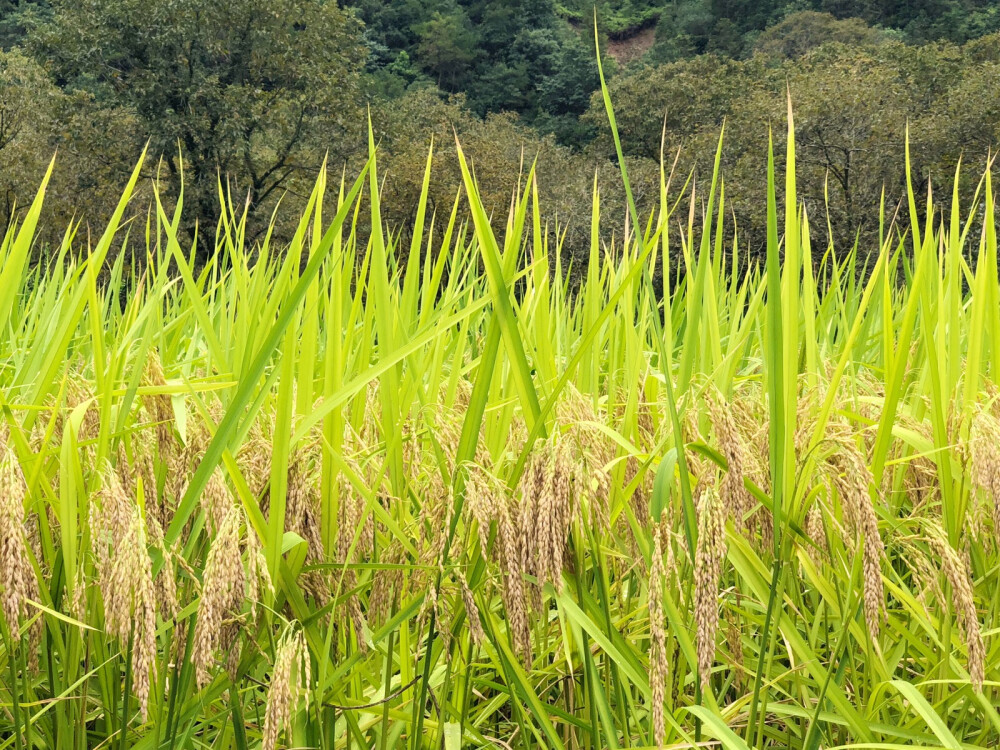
(632, 48)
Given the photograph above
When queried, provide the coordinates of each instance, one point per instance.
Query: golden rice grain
(556, 507)
(487, 501)
(215, 501)
(76, 395)
(125, 577)
(350, 518)
(302, 516)
(657, 641)
(709, 556)
(145, 652)
(593, 453)
(17, 576)
(222, 593)
(161, 409)
(732, 491)
(258, 577)
(289, 685)
(387, 582)
(817, 534)
(471, 611)
(166, 583)
(853, 480)
(984, 463)
(957, 574)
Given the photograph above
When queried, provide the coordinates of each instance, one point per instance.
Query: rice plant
(363, 491)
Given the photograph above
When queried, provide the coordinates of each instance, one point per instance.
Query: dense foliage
(253, 99)
(505, 55)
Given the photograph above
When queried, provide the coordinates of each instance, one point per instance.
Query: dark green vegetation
(260, 93)
(528, 55)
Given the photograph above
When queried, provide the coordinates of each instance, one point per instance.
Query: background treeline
(261, 93)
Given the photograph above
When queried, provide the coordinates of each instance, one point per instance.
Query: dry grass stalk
(734, 494)
(657, 640)
(471, 611)
(984, 463)
(957, 574)
(17, 577)
(817, 534)
(290, 680)
(487, 501)
(852, 479)
(547, 511)
(222, 595)
(735, 645)
(709, 556)
(125, 577)
(162, 411)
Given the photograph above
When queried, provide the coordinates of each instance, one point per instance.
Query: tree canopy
(249, 91)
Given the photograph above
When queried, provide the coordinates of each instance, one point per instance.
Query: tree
(689, 20)
(850, 116)
(447, 47)
(725, 38)
(254, 91)
(801, 32)
(15, 16)
(851, 104)
(39, 120)
(500, 149)
(26, 97)
(568, 88)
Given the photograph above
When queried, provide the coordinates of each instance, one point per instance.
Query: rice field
(372, 491)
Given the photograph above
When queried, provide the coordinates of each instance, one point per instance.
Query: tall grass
(382, 494)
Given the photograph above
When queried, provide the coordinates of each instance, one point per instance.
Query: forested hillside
(259, 94)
